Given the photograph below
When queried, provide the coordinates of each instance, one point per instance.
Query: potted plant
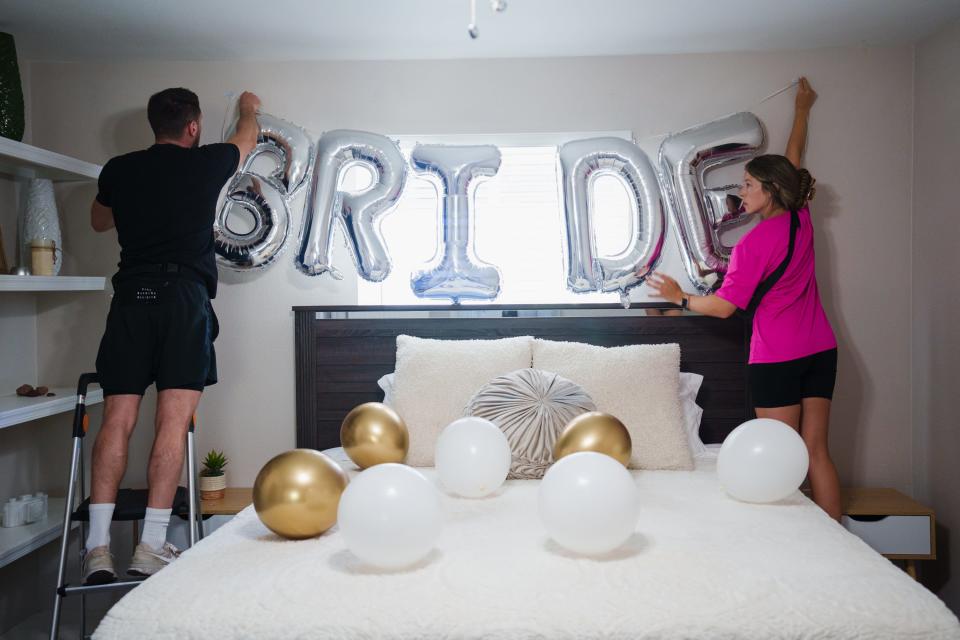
(213, 480)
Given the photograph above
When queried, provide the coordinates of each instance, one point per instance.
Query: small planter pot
(212, 487)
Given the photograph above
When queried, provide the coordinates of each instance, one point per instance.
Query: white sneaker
(98, 566)
(147, 560)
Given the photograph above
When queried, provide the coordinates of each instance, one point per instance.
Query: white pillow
(692, 412)
(435, 380)
(386, 384)
(639, 384)
(689, 388)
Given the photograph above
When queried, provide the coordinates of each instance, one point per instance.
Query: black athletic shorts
(780, 384)
(160, 329)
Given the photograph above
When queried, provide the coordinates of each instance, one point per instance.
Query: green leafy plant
(214, 463)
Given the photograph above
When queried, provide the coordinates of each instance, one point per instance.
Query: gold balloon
(595, 431)
(296, 494)
(373, 433)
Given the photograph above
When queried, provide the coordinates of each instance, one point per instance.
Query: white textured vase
(40, 220)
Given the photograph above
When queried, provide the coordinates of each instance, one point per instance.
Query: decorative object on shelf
(11, 92)
(22, 270)
(25, 510)
(28, 391)
(296, 494)
(595, 431)
(4, 267)
(373, 433)
(43, 253)
(213, 479)
(40, 222)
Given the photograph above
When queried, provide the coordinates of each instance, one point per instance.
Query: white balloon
(762, 460)
(389, 516)
(589, 503)
(472, 457)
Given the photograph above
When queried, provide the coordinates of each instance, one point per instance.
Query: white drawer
(892, 535)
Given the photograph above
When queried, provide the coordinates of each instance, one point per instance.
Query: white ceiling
(412, 29)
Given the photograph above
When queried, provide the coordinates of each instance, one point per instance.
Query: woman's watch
(684, 302)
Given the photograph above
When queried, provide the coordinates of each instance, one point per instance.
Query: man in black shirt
(161, 327)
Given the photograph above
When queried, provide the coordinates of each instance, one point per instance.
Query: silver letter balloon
(699, 214)
(582, 162)
(360, 213)
(264, 196)
(455, 272)
(286, 162)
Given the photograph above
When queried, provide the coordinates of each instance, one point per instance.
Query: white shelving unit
(21, 160)
(51, 283)
(16, 542)
(16, 409)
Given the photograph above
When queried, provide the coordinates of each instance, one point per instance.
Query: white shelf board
(21, 160)
(15, 409)
(52, 283)
(16, 542)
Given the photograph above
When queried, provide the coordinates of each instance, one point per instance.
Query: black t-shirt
(164, 200)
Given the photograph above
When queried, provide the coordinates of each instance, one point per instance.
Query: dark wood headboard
(340, 356)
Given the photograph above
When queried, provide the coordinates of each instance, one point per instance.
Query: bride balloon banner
(675, 188)
(264, 196)
(455, 272)
(699, 214)
(358, 213)
(582, 162)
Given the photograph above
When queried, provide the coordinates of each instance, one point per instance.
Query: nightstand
(234, 500)
(895, 525)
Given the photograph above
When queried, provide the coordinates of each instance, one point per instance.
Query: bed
(700, 565)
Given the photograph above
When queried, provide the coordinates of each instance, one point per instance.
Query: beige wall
(860, 149)
(936, 293)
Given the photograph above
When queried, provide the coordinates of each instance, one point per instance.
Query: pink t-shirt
(790, 322)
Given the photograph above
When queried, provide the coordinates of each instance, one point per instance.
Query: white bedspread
(700, 566)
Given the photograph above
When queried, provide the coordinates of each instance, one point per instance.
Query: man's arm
(101, 217)
(806, 96)
(245, 136)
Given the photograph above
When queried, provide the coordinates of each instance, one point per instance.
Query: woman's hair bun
(807, 189)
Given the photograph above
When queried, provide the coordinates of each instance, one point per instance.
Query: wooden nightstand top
(235, 500)
(880, 502)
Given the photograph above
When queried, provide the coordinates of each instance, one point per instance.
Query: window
(518, 224)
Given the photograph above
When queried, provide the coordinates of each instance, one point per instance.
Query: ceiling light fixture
(497, 6)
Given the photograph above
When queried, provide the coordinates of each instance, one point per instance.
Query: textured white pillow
(639, 384)
(689, 388)
(436, 378)
(531, 407)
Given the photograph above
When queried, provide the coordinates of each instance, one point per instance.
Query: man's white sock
(155, 527)
(101, 515)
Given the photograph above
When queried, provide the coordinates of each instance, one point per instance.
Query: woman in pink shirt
(793, 351)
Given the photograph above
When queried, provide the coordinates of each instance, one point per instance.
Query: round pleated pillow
(531, 407)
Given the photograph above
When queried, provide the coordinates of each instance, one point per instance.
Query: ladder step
(117, 585)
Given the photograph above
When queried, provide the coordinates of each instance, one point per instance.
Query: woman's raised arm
(806, 96)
